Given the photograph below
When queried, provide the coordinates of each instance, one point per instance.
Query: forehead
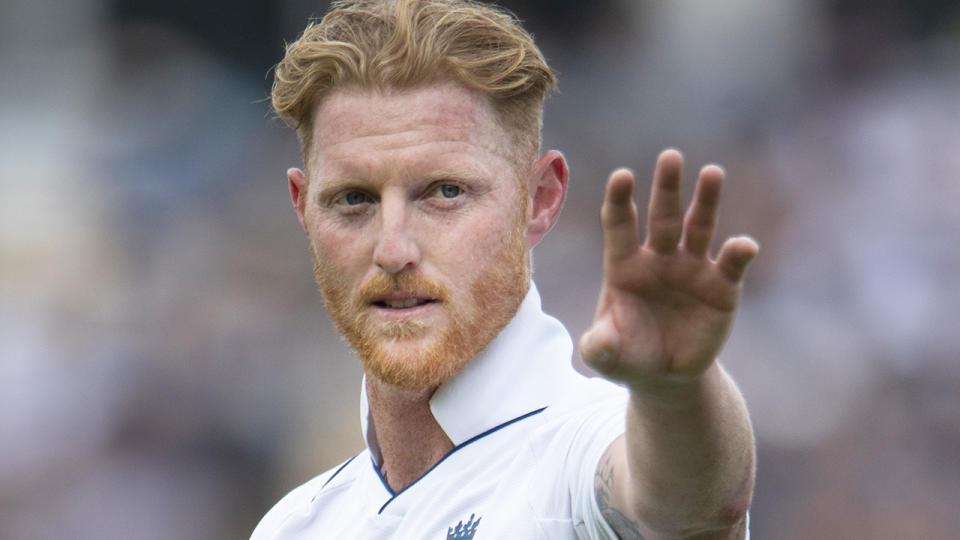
(446, 117)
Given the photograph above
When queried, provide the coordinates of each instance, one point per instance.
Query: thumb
(600, 345)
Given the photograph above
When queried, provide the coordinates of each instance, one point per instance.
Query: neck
(410, 439)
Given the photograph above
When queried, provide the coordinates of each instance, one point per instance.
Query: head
(420, 125)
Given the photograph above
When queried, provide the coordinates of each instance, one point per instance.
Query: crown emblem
(463, 531)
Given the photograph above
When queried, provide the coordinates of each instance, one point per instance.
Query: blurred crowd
(166, 366)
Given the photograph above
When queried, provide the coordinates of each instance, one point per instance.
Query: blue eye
(354, 198)
(449, 191)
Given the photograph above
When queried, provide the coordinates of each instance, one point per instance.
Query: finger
(701, 219)
(664, 214)
(619, 216)
(735, 254)
(600, 345)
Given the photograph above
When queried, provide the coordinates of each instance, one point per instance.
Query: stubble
(392, 351)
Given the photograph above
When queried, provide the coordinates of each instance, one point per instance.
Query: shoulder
(580, 431)
(298, 497)
(596, 405)
(567, 440)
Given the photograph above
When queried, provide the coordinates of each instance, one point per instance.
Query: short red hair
(400, 44)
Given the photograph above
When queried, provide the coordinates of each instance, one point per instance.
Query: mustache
(382, 284)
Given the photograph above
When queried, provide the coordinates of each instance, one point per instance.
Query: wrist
(672, 391)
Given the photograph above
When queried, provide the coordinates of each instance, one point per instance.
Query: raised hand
(665, 307)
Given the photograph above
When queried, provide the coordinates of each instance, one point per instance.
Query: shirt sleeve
(601, 424)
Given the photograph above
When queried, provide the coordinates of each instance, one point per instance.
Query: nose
(396, 248)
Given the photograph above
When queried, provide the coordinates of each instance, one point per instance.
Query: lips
(402, 295)
(402, 302)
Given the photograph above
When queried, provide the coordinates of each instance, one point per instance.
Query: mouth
(403, 302)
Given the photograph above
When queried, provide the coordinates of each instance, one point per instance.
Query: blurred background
(167, 369)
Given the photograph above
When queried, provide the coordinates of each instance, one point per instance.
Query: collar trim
(448, 454)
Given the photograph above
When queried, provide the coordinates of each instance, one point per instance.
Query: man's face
(417, 223)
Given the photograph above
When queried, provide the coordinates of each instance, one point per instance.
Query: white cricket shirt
(528, 432)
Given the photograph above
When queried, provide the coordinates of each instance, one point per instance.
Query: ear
(298, 192)
(546, 191)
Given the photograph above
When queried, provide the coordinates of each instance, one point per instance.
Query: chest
(490, 489)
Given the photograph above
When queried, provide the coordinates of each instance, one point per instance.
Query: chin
(414, 364)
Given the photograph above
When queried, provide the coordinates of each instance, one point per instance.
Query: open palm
(665, 307)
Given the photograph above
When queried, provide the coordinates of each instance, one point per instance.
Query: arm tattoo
(625, 528)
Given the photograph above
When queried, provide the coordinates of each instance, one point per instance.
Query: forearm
(689, 455)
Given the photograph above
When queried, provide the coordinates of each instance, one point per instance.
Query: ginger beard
(392, 352)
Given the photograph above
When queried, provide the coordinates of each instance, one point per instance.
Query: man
(422, 193)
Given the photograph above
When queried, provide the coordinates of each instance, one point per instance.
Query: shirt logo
(463, 531)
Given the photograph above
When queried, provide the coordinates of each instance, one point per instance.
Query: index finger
(619, 216)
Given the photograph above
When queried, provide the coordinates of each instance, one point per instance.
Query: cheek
(485, 244)
(336, 252)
